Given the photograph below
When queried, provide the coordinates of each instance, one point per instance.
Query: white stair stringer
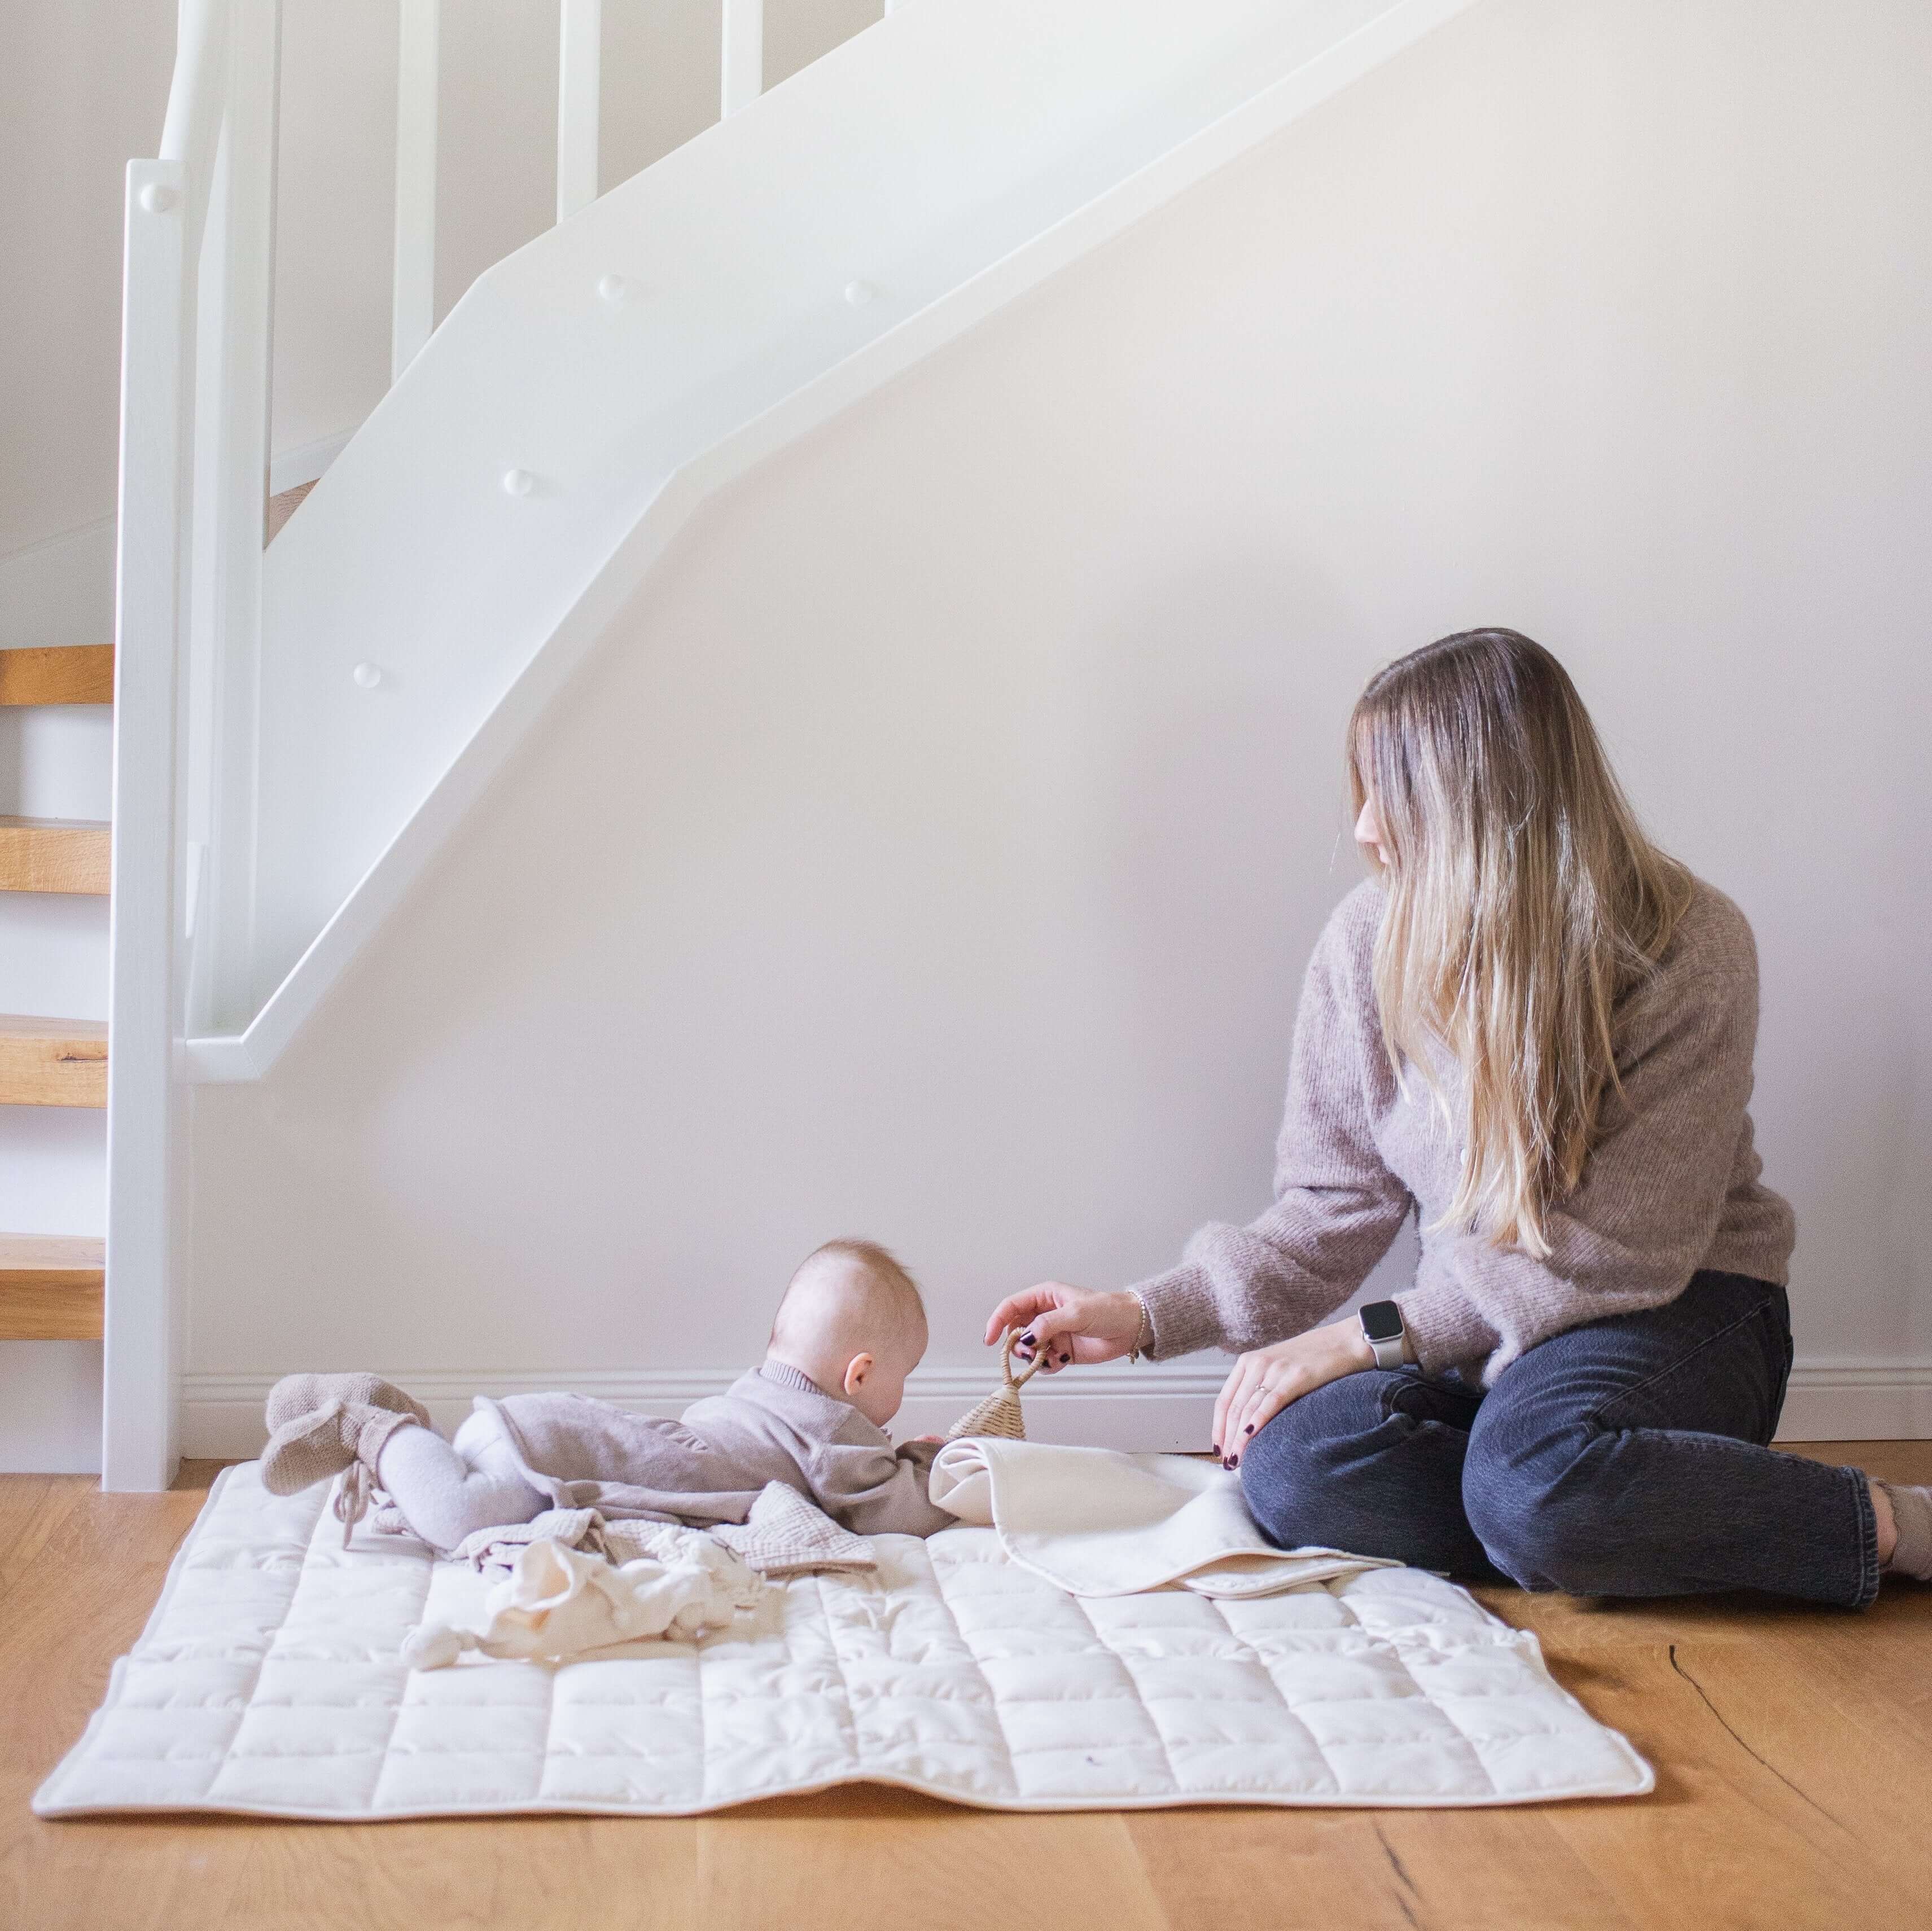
(477, 535)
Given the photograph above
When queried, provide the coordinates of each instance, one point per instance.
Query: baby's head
(852, 1319)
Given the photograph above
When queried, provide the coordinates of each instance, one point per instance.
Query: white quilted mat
(267, 1682)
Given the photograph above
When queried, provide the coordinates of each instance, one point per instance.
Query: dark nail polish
(1227, 1461)
(1026, 1340)
(1251, 1428)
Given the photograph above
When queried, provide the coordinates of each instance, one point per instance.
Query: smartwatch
(1382, 1329)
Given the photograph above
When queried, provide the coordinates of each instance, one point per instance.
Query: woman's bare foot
(1888, 1527)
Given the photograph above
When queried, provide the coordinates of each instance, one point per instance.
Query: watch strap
(1387, 1349)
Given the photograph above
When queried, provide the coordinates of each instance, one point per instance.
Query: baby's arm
(878, 1490)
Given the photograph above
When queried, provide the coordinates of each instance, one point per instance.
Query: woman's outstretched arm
(1336, 1206)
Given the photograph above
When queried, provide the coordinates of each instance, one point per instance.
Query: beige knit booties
(294, 1395)
(337, 1436)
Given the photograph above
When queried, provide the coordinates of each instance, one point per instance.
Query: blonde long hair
(1524, 900)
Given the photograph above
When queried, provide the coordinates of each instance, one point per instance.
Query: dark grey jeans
(1627, 1457)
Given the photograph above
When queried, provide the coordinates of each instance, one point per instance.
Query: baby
(851, 1328)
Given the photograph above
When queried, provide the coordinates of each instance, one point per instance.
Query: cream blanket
(1098, 1523)
(269, 1682)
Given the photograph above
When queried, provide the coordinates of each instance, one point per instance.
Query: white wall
(934, 850)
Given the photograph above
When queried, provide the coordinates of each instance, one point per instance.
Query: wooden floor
(1793, 1750)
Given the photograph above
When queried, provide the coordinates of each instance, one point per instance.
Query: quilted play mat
(268, 1682)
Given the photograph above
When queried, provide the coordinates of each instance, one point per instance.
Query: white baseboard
(1148, 1407)
(1858, 1401)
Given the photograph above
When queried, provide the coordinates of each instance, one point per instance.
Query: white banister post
(741, 69)
(141, 1368)
(412, 306)
(237, 418)
(579, 88)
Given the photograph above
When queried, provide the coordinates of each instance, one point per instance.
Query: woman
(1533, 1030)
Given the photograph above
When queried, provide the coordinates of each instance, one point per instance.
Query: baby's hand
(939, 1438)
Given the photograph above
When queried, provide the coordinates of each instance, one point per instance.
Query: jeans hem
(1868, 1565)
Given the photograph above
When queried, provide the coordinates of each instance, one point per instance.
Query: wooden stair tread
(52, 1061)
(52, 1287)
(280, 508)
(62, 673)
(54, 854)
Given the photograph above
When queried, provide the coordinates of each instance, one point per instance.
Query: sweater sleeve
(1640, 1222)
(1336, 1205)
(876, 1489)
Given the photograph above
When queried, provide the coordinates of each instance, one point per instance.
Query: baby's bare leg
(445, 1493)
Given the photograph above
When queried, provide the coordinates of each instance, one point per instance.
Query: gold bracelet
(1145, 1327)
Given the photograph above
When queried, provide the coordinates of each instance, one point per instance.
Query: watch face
(1381, 1320)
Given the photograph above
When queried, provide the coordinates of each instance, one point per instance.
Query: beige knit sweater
(1672, 1187)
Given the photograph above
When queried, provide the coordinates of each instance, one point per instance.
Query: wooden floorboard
(1793, 1749)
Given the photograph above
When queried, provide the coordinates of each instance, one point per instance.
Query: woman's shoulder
(1713, 939)
(1344, 959)
(1351, 931)
(1709, 967)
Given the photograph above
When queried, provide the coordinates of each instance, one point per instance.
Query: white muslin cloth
(558, 1602)
(1100, 1523)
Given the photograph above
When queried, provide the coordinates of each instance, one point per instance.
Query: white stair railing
(579, 102)
(418, 75)
(579, 59)
(741, 67)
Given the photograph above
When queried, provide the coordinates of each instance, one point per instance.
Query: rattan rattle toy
(999, 1414)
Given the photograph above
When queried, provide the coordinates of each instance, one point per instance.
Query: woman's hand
(1067, 1324)
(1264, 1382)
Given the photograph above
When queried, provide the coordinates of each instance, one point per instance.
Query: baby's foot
(312, 1447)
(297, 1395)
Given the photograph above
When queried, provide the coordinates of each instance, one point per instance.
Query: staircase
(51, 1285)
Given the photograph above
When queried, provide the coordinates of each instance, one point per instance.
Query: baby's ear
(856, 1369)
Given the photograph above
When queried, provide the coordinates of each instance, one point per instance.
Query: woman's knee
(1539, 1517)
(1290, 1473)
